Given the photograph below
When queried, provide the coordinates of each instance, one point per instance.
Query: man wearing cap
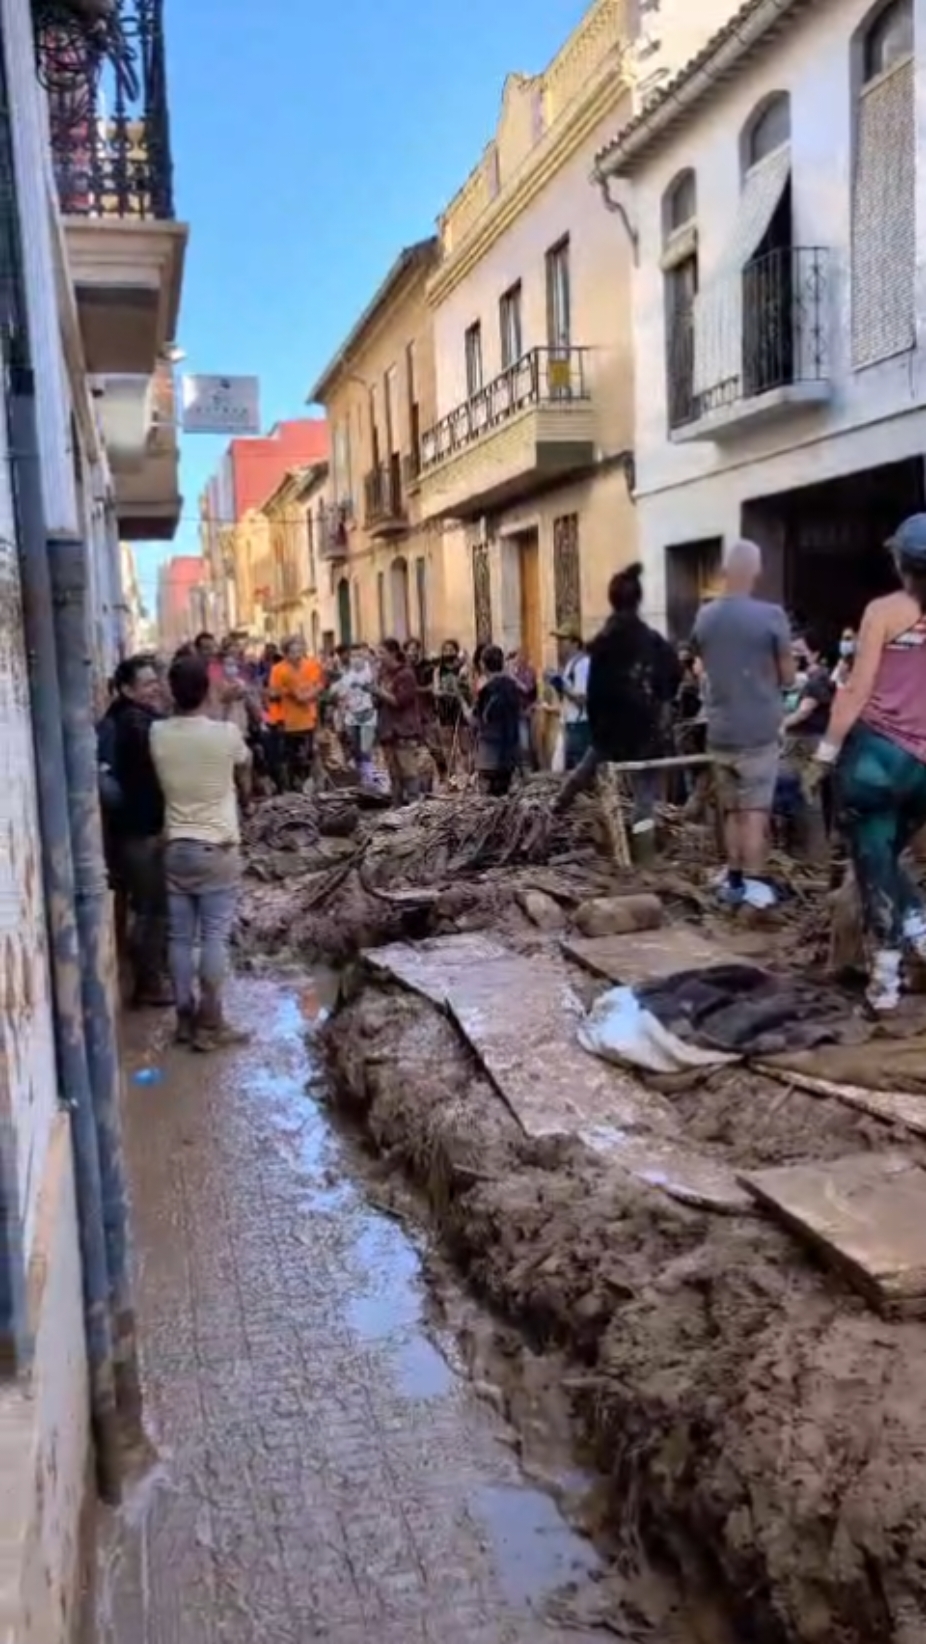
(570, 683)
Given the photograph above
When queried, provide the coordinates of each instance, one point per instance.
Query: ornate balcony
(533, 424)
(754, 346)
(102, 64)
(332, 537)
(384, 505)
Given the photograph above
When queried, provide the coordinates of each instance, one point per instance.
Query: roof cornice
(414, 261)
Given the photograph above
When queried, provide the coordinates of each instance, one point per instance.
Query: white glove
(826, 753)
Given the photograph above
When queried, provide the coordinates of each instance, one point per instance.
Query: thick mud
(755, 1423)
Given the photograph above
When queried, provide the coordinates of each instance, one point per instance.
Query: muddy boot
(152, 993)
(211, 1031)
(183, 1031)
(643, 844)
(883, 991)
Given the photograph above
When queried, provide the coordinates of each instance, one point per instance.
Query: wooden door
(531, 623)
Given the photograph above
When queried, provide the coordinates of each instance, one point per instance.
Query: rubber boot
(183, 1031)
(883, 991)
(643, 843)
(211, 1031)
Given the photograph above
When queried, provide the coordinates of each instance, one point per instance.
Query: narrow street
(322, 1468)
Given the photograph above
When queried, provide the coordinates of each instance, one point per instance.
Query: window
(884, 189)
(769, 130)
(374, 426)
(473, 346)
(889, 39)
(421, 587)
(341, 465)
(414, 409)
(558, 296)
(680, 278)
(509, 315)
(390, 402)
(381, 603)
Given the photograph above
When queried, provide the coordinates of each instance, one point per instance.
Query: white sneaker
(883, 991)
(757, 894)
(914, 931)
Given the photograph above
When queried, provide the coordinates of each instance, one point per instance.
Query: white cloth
(195, 759)
(575, 675)
(354, 694)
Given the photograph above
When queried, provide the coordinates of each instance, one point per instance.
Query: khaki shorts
(746, 781)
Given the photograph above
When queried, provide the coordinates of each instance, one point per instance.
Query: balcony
(384, 505)
(137, 419)
(529, 427)
(331, 534)
(103, 70)
(752, 348)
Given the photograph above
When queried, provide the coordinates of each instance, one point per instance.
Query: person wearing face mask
(843, 669)
(876, 747)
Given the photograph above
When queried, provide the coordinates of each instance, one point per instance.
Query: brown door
(531, 625)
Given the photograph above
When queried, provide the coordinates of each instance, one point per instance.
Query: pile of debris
(329, 874)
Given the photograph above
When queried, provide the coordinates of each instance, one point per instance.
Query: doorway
(344, 611)
(398, 578)
(531, 623)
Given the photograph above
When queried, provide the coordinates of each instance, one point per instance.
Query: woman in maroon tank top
(877, 742)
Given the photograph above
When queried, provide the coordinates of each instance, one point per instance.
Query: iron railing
(764, 328)
(104, 72)
(542, 376)
(331, 538)
(382, 494)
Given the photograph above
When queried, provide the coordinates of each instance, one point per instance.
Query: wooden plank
(646, 955)
(866, 1214)
(520, 1017)
(894, 1107)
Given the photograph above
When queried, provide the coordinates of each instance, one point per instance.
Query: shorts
(746, 781)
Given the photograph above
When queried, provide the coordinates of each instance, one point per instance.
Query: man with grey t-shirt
(744, 645)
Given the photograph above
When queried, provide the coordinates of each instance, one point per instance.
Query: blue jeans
(577, 740)
(202, 896)
(881, 796)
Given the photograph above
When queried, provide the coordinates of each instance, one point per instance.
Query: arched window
(680, 206)
(768, 130)
(888, 40)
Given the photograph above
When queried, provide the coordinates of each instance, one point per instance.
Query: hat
(909, 540)
(567, 633)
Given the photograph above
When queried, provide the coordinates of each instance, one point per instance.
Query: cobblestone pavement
(324, 1471)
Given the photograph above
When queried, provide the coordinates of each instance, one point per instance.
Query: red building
(181, 611)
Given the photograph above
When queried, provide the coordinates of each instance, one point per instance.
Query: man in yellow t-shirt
(296, 684)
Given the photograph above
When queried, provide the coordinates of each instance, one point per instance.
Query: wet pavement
(324, 1469)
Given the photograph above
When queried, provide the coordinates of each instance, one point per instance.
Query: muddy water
(323, 1466)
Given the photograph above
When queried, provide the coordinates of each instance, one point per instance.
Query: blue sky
(311, 142)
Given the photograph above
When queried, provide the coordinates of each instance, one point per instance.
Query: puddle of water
(535, 1549)
(421, 1372)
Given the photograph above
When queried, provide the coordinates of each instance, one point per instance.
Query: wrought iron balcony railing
(382, 494)
(763, 329)
(543, 376)
(102, 64)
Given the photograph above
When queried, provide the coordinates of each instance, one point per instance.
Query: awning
(718, 318)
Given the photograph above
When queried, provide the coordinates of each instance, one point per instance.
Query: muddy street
(322, 1466)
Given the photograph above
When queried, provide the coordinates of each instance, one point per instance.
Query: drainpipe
(58, 878)
(69, 576)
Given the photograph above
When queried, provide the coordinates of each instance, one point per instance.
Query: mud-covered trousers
(880, 792)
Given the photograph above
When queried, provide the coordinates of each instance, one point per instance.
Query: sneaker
(914, 932)
(757, 894)
(883, 991)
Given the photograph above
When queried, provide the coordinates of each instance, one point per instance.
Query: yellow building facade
(529, 458)
(387, 566)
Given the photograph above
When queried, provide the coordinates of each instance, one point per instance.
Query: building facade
(390, 574)
(249, 472)
(530, 455)
(93, 260)
(777, 193)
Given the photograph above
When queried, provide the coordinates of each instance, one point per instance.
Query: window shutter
(884, 221)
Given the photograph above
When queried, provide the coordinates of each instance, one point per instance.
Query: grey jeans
(202, 895)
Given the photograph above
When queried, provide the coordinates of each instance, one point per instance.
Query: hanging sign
(221, 405)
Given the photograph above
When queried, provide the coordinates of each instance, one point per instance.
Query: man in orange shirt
(296, 684)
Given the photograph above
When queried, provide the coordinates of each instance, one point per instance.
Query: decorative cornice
(611, 83)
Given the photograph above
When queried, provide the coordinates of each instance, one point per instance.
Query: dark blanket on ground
(747, 1012)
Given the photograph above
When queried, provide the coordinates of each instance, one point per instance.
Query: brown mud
(754, 1422)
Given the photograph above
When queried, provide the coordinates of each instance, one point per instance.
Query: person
(454, 693)
(136, 828)
(400, 731)
(571, 686)
(497, 716)
(297, 684)
(202, 765)
(633, 676)
(745, 646)
(353, 693)
(843, 669)
(524, 675)
(876, 746)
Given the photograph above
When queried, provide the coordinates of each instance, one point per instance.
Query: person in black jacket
(497, 719)
(137, 828)
(634, 675)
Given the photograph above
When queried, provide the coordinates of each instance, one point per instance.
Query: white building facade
(776, 194)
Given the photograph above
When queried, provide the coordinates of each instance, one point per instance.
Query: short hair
(493, 659)
(741, 555)
(189, 682)
(394, 648)
(128, 671)
(201, 638)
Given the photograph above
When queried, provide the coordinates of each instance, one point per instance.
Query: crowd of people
(789, 735)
